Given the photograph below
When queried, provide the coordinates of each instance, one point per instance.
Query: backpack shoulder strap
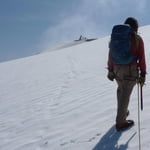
(137, 40)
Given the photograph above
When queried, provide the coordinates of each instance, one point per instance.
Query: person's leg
(124, 91)
(126, 76)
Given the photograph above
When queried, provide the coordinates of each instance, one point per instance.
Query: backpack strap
(137, 40)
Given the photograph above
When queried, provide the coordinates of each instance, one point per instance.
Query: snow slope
(62, 100)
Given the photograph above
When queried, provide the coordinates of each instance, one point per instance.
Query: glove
(142, 79)
(111, 75)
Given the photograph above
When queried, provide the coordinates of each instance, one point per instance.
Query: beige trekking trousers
(126, 77)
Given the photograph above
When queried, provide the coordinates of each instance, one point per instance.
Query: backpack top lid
(121, 30)
(120, 44)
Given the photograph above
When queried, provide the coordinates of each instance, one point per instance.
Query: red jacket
(137, 49)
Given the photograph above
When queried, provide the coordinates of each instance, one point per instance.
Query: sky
(28, 27)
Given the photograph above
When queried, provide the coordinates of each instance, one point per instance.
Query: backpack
(120, 44)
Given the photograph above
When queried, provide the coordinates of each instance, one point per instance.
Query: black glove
(142, 79)
(111, 75)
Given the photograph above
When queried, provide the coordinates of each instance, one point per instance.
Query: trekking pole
(141, 93)
(139, 133)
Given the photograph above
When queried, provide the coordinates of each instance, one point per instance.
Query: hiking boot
(123, 126)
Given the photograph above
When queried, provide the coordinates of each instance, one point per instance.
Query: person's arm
(110, 63)
(141, 57)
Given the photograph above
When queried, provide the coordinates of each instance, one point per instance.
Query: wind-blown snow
(62, 100)
(67, 44)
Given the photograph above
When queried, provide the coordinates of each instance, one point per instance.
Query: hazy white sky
(29, 26)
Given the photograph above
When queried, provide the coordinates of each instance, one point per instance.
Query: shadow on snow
(110, 141)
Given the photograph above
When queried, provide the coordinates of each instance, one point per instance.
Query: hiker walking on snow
(127, 70)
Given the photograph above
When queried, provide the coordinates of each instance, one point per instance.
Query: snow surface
(62, 100)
